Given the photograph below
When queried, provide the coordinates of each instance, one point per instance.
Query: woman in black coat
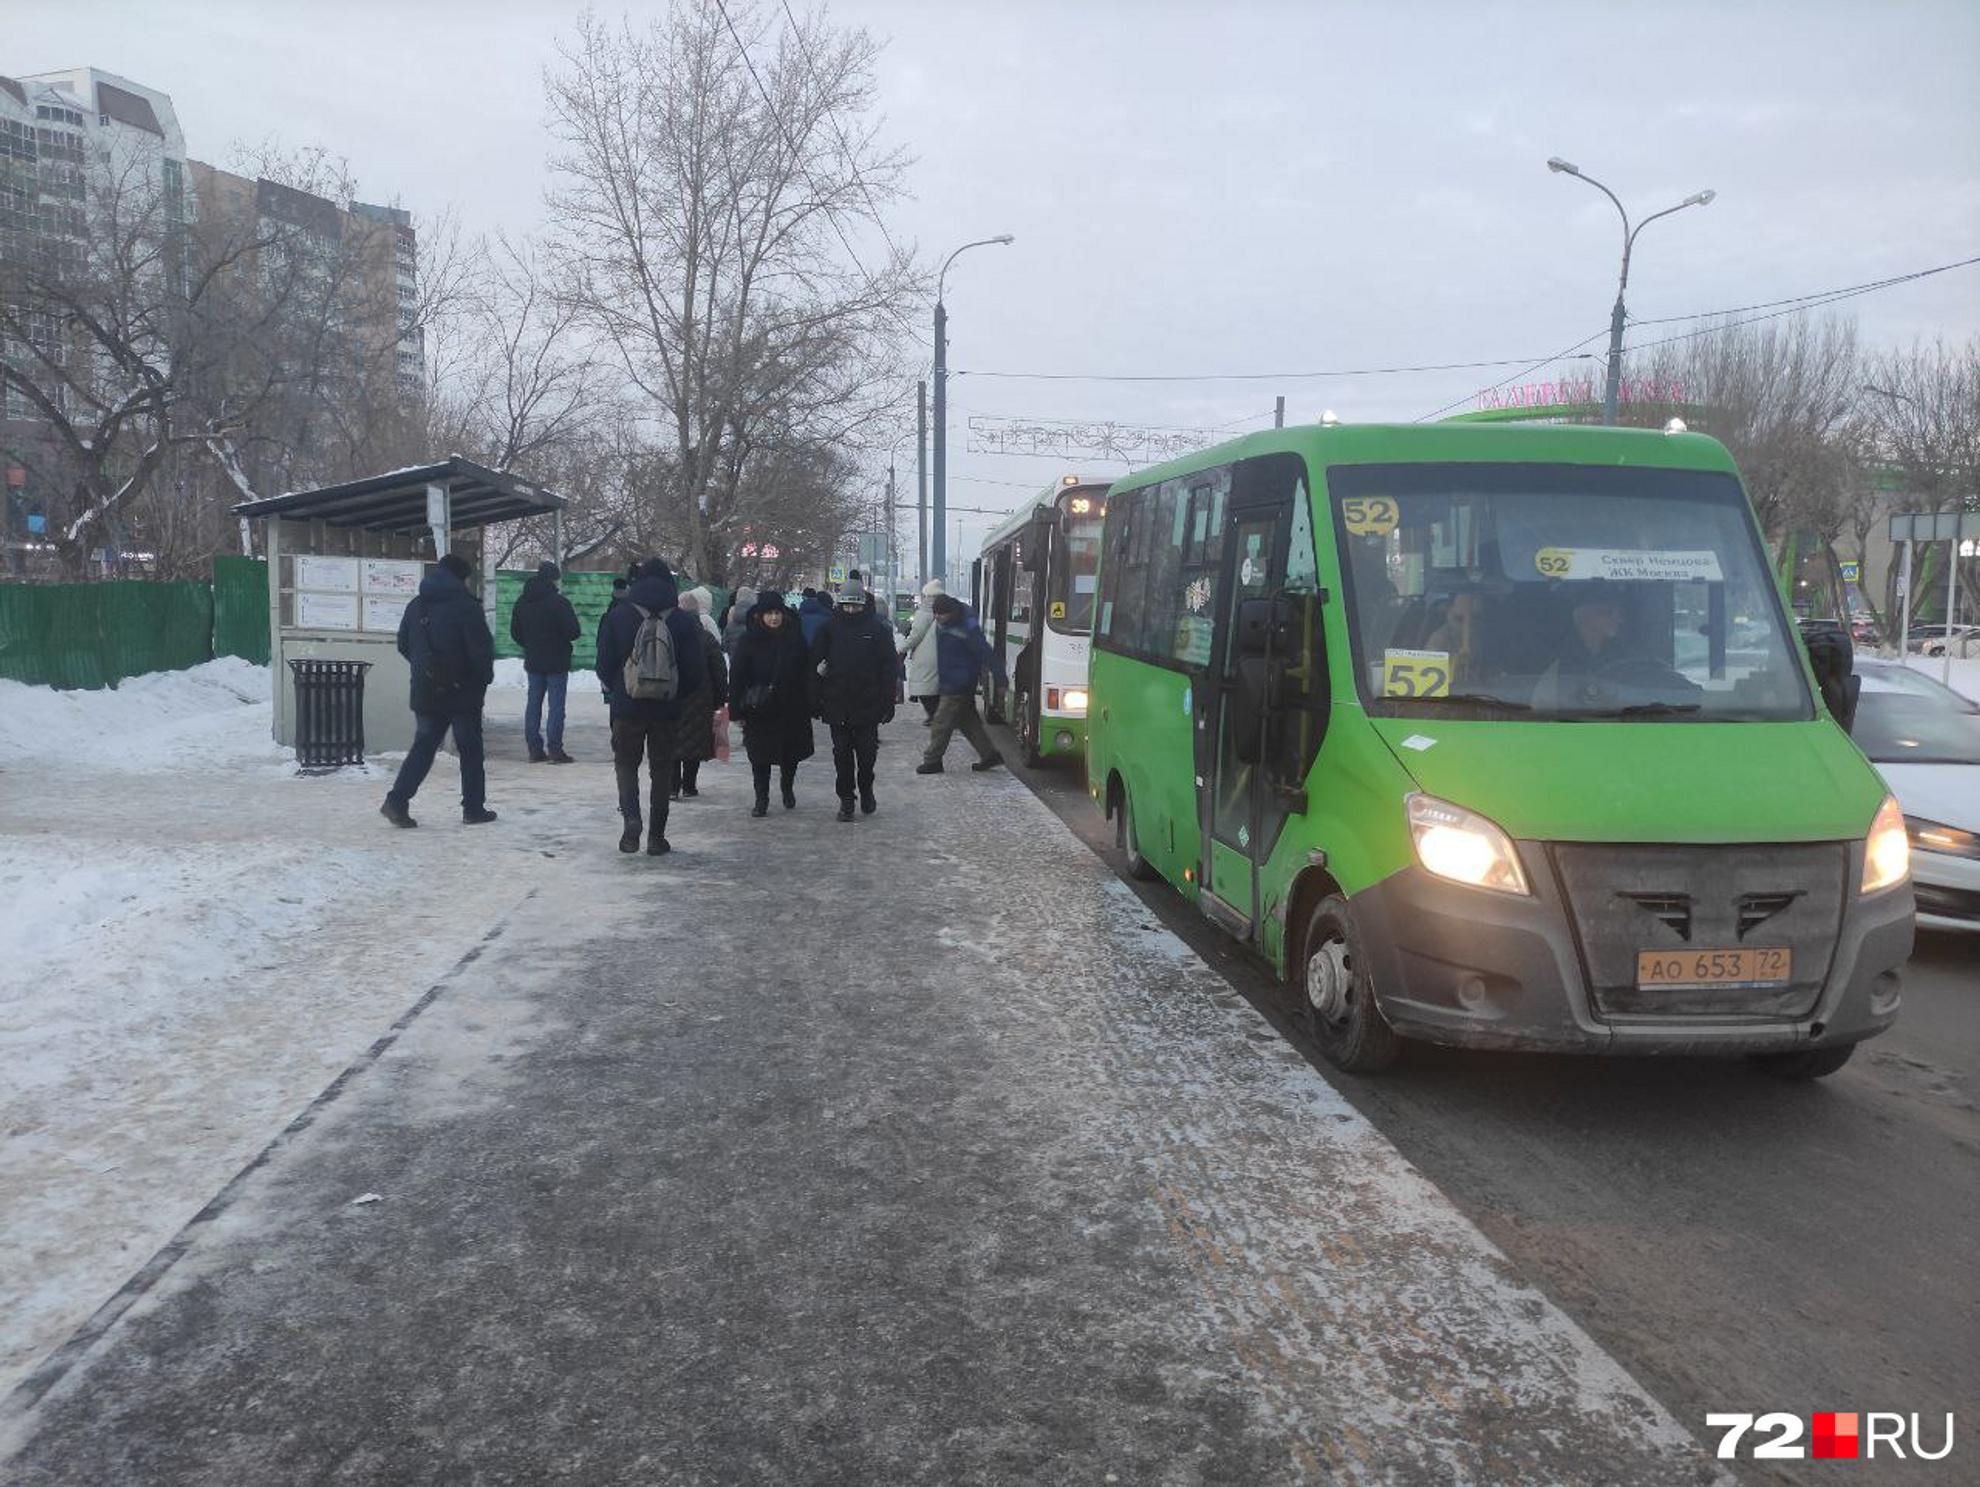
(770, 691)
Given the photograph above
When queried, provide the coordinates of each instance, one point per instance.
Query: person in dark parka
(545, 626)
(770, 693)
(697, 727)
(963, 654)
(853, 662)
(444, 635)
(641, 726)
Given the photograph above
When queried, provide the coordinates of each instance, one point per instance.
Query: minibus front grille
(1625, 899)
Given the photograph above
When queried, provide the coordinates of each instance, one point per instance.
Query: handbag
(721, 739)
(755, 699)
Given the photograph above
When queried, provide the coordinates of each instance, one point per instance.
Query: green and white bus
(1042, 565)
(1497, 737)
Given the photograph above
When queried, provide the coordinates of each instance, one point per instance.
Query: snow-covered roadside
(194, 940)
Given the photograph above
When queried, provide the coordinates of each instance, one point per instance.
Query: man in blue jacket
(813, 613)
(444, 634)
(643, 726)
(962, 653)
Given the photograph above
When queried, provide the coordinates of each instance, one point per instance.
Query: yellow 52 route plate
(1370, 516)
(1416, 673)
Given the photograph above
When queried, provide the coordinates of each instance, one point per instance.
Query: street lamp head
(1005, 238)
(1702, 199)
(1563, 167)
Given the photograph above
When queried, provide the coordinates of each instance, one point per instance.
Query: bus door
(1259, 735)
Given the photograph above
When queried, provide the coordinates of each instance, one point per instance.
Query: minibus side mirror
(1833, 660)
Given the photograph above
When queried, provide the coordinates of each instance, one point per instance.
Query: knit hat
(549, 570)
(689, 603)
(933, 587)
(852, 595)
(944, 606)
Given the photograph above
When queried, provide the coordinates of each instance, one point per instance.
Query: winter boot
(845, 810)
(629, 837)
(657, 845)
(762, 806)
(935, 768)
(537, 756)
(479, 816)
(995, 761)
(395, 813)
(790, 798)
(867, 804)
(558, 756)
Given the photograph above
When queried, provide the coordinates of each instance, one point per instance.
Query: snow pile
(219, 708)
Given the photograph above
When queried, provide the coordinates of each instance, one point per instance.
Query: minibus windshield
(1074, 576)
(1563, 592)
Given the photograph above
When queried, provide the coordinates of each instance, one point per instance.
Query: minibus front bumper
(1475, 968)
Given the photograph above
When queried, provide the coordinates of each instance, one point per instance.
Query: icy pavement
(912, 1150)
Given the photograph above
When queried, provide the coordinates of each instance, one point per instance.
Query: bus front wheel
(1137, 866)
(1334, 1004)
(1030, 730)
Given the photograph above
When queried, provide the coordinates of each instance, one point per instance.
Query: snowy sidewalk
(912, 1150)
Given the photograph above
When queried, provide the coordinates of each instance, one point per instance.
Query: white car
(1925, 739)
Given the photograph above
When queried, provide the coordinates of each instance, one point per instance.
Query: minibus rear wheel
(1333, 1002)
(1806, 1063)
(1138, 867)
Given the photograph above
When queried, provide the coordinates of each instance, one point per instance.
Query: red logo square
(1835, 1437)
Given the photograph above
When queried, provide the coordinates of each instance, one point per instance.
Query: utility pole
(921, 478)
(1279, 415)
(887, 549)
(940, 557)
(1612, 392)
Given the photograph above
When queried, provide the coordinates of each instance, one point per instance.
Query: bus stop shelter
(344, 561)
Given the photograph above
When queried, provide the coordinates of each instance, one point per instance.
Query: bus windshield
(1570, 592)
(1074, 575)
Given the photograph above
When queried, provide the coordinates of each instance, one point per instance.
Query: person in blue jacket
(962, 653)
(444, 635)
(647, 726)
(813, 613)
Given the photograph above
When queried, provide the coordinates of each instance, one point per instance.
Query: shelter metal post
(276, 671)
(1904, 602)
(557, 537)
(440, 517)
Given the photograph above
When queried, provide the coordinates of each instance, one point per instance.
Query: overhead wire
(1561, 355)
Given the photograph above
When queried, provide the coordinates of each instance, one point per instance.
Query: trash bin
(329, 713)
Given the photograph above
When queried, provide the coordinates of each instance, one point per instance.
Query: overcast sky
(1220, 187)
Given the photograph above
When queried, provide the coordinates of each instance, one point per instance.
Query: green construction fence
(85, 635)
(589, 594)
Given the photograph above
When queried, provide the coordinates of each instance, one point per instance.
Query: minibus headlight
(1074, 699)
(1886, 851)
(1463, 847)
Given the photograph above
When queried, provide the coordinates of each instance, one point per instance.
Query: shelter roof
(396, 502)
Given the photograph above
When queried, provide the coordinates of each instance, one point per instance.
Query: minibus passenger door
(1254, 563)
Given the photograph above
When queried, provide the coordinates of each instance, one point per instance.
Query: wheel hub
(1329, 980)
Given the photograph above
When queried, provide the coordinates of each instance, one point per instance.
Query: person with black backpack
(649, 658)
(444, 635)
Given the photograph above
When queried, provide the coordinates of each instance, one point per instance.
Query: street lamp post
(1613, 393)
(938, 559)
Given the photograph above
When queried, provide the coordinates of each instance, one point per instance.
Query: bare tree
(714, 171)
(1925, 409)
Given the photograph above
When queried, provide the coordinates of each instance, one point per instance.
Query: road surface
(1737, 1242)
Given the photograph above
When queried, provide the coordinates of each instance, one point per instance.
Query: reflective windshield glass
(1906, 727)
(1075, 579)
(1561, 591)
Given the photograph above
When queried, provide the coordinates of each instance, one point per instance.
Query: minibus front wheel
(1334, 1001)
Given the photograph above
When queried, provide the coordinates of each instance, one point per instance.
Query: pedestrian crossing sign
(838, 573)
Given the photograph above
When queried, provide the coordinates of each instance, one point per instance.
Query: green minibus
(1494, 736)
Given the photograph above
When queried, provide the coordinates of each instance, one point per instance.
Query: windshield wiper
(1656, 709)
(1484, 698)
